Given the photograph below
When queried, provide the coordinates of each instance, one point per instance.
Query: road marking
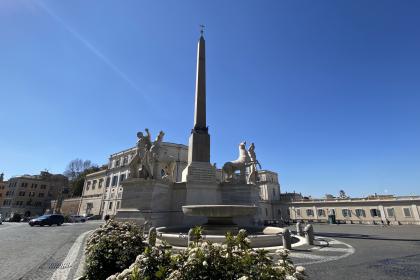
(306, 256)
(315, 258)
(327, 249)
(63, 273)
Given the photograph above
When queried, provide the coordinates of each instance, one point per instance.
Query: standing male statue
(253, 173)
(140, 158)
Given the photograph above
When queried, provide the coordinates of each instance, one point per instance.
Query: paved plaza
(379, 252)
(41, 252)
(340, 251)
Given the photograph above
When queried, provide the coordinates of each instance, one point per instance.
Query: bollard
(299, 229)
(190, 237)
(151, 238)
(287, 239)
(309, 234)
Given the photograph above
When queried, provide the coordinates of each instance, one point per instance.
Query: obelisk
(199, 168)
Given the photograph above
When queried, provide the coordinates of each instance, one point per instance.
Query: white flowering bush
(154, 263)
(232, 260)
(112, 248)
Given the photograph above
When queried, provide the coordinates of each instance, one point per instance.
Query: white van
(77, 219)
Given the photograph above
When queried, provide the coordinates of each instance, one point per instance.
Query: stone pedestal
(145, 200)
(199, 172)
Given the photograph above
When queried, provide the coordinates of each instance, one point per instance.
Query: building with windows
(3, 185)
(375, 209)
(94, 190)
(31, 195)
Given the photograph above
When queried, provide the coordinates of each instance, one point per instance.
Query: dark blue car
(53, 219)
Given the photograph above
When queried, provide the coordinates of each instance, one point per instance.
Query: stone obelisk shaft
(199, 142)
(200, 87)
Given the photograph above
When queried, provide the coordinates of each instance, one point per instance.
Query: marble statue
(141, 164)
(142, 146)
(150, 161)
(240, 164)
(253, 172)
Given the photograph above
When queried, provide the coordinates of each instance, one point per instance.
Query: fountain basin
(219, 217)
(219, 211)
(178, 237)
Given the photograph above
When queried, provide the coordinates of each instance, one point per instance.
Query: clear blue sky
(328, 90)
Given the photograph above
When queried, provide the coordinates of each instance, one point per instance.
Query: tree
(76, 167)
(76, 171)
(342, 194)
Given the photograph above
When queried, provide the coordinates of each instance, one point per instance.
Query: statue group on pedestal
(147, 162)
(246, 159)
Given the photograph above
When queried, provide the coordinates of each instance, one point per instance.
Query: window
(110, 205)
(41, 195)
(125, 160)
(118, 205)
(114, 181)
(33, 186)
(122, 177)
(43, 187)
(390, 212)
(119, 195)
(274, 192)
(346, 212)
(278, 212)
(309, 212)
(117, 163)
(88, 185)
(94, 184)
(24, 185)
(360, 213)
(21, 193)
(7, 202)
(375, 213)
(19, 203)
(108, 181)
(321, 212)
(101, 182)
(298, 212)
(407, 212)
(266, 212)
(38, 203)
(30, 194)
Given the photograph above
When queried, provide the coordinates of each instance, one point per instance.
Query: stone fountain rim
(189, 209)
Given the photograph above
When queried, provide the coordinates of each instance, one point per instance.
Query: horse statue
(241, 163)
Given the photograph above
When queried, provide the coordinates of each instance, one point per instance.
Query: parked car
(53, 219)
(77, 219)
(94, 217)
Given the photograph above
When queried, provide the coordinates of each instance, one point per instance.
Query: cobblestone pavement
(41, 252)
(348, 252)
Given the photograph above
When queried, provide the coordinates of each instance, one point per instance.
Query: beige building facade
(31, 195)
(69, 206)
(94, 190)
(370, 210)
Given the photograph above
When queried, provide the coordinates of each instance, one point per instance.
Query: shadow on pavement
(362, 236)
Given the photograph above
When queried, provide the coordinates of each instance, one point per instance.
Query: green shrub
(67, 219)
(112, 248)
(155, 263)
(232, 260)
